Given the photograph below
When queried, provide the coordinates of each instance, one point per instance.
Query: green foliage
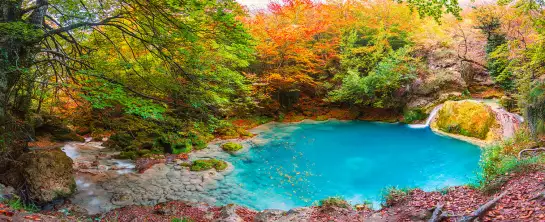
(103, 94)
(16, 203)
(497, 51)
(378, 88)
(535, 110)
(201, 165)
(435, 9)
(500, 160)
(231, 147)
(335, 202)
(498, 62)
(412, 115)
(20, 31)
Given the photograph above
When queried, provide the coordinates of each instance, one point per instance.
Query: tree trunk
(16, 54)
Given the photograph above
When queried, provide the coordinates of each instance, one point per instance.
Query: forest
(157, 82)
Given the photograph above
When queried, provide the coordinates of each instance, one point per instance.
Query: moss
(184, 147)
(231, 147)
(72, 136)
(199, 145)
(335, 202)
(468, 118)
(201, 165)
(128, 155)
(120, 141)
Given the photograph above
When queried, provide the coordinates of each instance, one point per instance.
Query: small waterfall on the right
(430, 118)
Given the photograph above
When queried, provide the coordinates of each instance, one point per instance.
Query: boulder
(45, 175)
(269, 215)
(467, 118)
(228, 213)
(47, 124)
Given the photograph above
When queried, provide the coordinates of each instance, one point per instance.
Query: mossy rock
(180, 148)
(132, 155)
(47, 175)
(119, 141)
(231, 147)
(468, 118)
(72, 136)
(201, 165)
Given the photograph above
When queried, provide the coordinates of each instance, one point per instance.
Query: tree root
(530, 150)
(482, 209)
(438, 214)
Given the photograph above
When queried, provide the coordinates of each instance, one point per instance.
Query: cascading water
(430, 118)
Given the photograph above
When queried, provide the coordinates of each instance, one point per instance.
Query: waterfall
(432, 115)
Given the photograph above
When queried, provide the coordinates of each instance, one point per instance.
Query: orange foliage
(296, 41)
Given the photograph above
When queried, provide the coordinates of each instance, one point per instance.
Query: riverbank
(105, 183)
(521, 202)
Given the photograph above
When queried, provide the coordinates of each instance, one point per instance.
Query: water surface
(305, 162)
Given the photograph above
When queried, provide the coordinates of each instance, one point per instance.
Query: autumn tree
(148, 57)
(297, 39)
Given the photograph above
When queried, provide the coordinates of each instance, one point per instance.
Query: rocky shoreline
(114, 183)
(105, 184)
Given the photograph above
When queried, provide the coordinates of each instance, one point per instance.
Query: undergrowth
(410, 116)
(16, 203)
(500, 161)
(394, 195)
(336, 202)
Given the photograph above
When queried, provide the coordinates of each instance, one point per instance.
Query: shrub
(498, 161)
(413, 115)
(231, 147)
(394, 195)
(16, 203)
(335, 202)
(467, 118)
(201, 165)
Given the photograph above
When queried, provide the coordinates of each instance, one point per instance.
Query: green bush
(410, 116)
(201, 165)
(336, 202)
(231, 147)
(498, 161)
(16, 203)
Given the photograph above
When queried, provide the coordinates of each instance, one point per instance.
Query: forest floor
(518, 204)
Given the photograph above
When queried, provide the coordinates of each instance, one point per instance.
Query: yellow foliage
(468, 118)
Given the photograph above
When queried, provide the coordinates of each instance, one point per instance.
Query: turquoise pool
(302, 163)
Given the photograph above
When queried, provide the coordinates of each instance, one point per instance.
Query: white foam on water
(430, 118)
(71, 151)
